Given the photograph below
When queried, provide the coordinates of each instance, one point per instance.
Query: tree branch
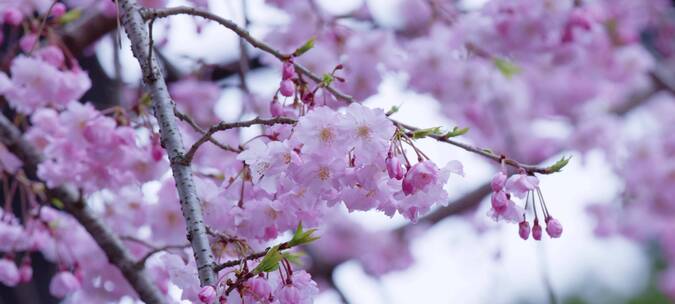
(110, 243)
(171, 139)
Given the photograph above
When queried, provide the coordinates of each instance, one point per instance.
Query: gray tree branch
(171, 139)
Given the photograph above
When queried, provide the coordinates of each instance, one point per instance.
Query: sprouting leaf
(293, 257)
(456, 131)
(57, 203)
(392, 110)
(270, 262)
(507, 68)
(559, 164)
(70, 16)
(326, 80)
(305, 47)
(302, 237)
(146, 100)
(421, 133)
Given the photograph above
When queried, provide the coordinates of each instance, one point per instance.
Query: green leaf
(146, 100)
(326, 80)
(270, 262)
(456, 131)
(392, 110)
(507, 68)
(293, 257)
(70, 16)
(305, 47)
(422, 133)
(57, 203)
(302, 237)
(559, 164)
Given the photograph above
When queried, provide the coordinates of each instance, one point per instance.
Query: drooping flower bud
(498, 181)
(276, 109)
(58, 10)
(287, 88)
(394, 167)
(12, 16)
(524, 230)
(499, 201)
(536, 230)
(63, 284)
(9, 274)
(207, 294)
(288, 70)
(419, 176)
(25, 272)
(553, 227)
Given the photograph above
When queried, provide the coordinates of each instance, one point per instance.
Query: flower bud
(9, 274)
(394, 167)
(58, 10)
(287, 88)
(553, 227)
(536, 231)
(288, 70)
(12, 16)
(63, 284)
(207, 294)
(524, 230)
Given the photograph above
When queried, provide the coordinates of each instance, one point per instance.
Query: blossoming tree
(80, 149)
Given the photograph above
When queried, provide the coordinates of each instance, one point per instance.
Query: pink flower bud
(25, 272)
(52, 55)
(287, 88)
(9, 274)
(288, 70)
(308, 98)
(394, 167)
(499, 201)
(536, 231)
(498, 181)
(58, 10)
(12, 16)
(27, 42)
(420, 176)
(524, 230)
(553, 227)
(207, 294)
(276, 109)
(63, 284)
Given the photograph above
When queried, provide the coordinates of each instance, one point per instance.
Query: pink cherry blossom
(63, 284)
(9, 273)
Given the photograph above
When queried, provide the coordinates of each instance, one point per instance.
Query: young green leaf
(456, 131)
(559, 164)
(302, 237)
(506, 67)
(270, 262)
(70, 16)
(305, 47)
(422, 133)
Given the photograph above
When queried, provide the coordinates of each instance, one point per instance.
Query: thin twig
(186, 118)
(222, 126)
(253, 256)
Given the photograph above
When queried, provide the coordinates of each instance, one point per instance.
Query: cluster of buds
(523, 186)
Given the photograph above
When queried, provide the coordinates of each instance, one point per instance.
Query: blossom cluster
(84, 147)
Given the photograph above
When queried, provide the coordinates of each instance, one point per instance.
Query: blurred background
(464, 257)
